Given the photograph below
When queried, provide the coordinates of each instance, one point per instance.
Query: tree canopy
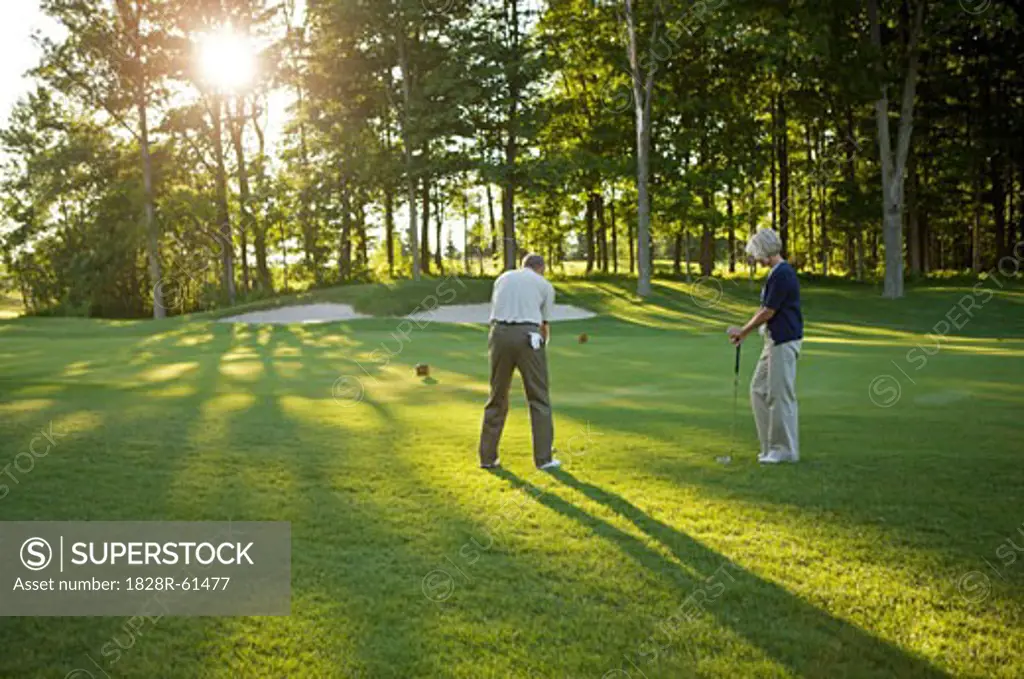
(330, 141)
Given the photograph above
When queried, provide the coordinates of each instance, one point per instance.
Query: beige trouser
(773, 398)
(510, 348)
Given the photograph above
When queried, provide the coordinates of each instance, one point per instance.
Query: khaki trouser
(773, 398)
(510, 348)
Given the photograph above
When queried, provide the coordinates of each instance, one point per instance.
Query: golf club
(735, 399)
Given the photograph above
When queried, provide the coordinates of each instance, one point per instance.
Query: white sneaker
(494, 465)
(776, 457)
(550, 466)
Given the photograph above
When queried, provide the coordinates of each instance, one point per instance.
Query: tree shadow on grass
(126, 469)
(786, 628)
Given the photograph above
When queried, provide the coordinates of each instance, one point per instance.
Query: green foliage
(453, 102)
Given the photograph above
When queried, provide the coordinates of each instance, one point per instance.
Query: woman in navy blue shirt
(773, 387)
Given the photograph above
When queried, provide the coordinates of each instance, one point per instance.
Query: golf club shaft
(735, 400)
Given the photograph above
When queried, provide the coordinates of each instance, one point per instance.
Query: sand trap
(481, 313)
(329, 313)
(305, 314)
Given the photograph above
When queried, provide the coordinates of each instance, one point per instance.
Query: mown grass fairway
(874, 557)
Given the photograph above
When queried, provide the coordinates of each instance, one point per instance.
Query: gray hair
(533, 261)
(764, 244)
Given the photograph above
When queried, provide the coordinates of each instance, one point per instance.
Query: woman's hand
(735, 334)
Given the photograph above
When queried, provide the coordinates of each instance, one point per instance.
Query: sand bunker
(330, 313)
(306, 313)
(481, 313)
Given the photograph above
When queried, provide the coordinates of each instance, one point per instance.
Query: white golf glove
(536, 340)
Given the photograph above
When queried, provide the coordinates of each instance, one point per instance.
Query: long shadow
(785, 624)
(349, 553)
(123, 469)
(357, 562)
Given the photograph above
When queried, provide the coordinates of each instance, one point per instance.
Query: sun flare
(227, 60)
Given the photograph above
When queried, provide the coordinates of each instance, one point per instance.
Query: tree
(642, 76)
(893, 162)
(111, 63)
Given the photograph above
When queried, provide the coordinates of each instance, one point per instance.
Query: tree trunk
(752, 263)
(927, 245)
(775, 155)
(893, 164)
(132, 20)
(643, 89)
(850, 254)
(149, 212)
(615, 234)
(389, 228)
(223, 216)
(345, 242)
(494, 224)
(438, 224)
(913, 218)
(732, 229)
(284, 253)
(860, 256)
(508, 225)
(632, 245)
(784, 197)
(826, 246)
(1016, 208)
(854, 236)
(407, 144)
(309, 232)
(389, 189)
(677, 253)
(588, 217)
(364, 254)
(260, 224)
(508, 203)
(998, 196)
(810, 198)
(425, 223)
(1011, 207)
(976, 230)
(686, 253)
(603, 232)
(465, 230)
(707, 240)
(1020, 205)
(237, 127)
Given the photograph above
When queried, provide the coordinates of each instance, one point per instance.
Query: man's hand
(545, 331)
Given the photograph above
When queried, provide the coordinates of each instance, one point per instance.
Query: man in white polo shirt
(522, 303)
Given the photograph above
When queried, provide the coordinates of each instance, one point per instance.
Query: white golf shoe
(776, 457)
(550, 466)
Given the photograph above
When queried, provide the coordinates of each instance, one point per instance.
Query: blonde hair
(764, 244)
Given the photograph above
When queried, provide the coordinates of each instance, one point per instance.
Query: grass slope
(875, 557)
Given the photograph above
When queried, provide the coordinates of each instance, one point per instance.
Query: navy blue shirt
(781, 292)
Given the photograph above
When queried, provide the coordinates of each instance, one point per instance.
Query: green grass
(850, 564)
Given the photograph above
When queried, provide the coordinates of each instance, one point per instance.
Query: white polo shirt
(522, 296)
